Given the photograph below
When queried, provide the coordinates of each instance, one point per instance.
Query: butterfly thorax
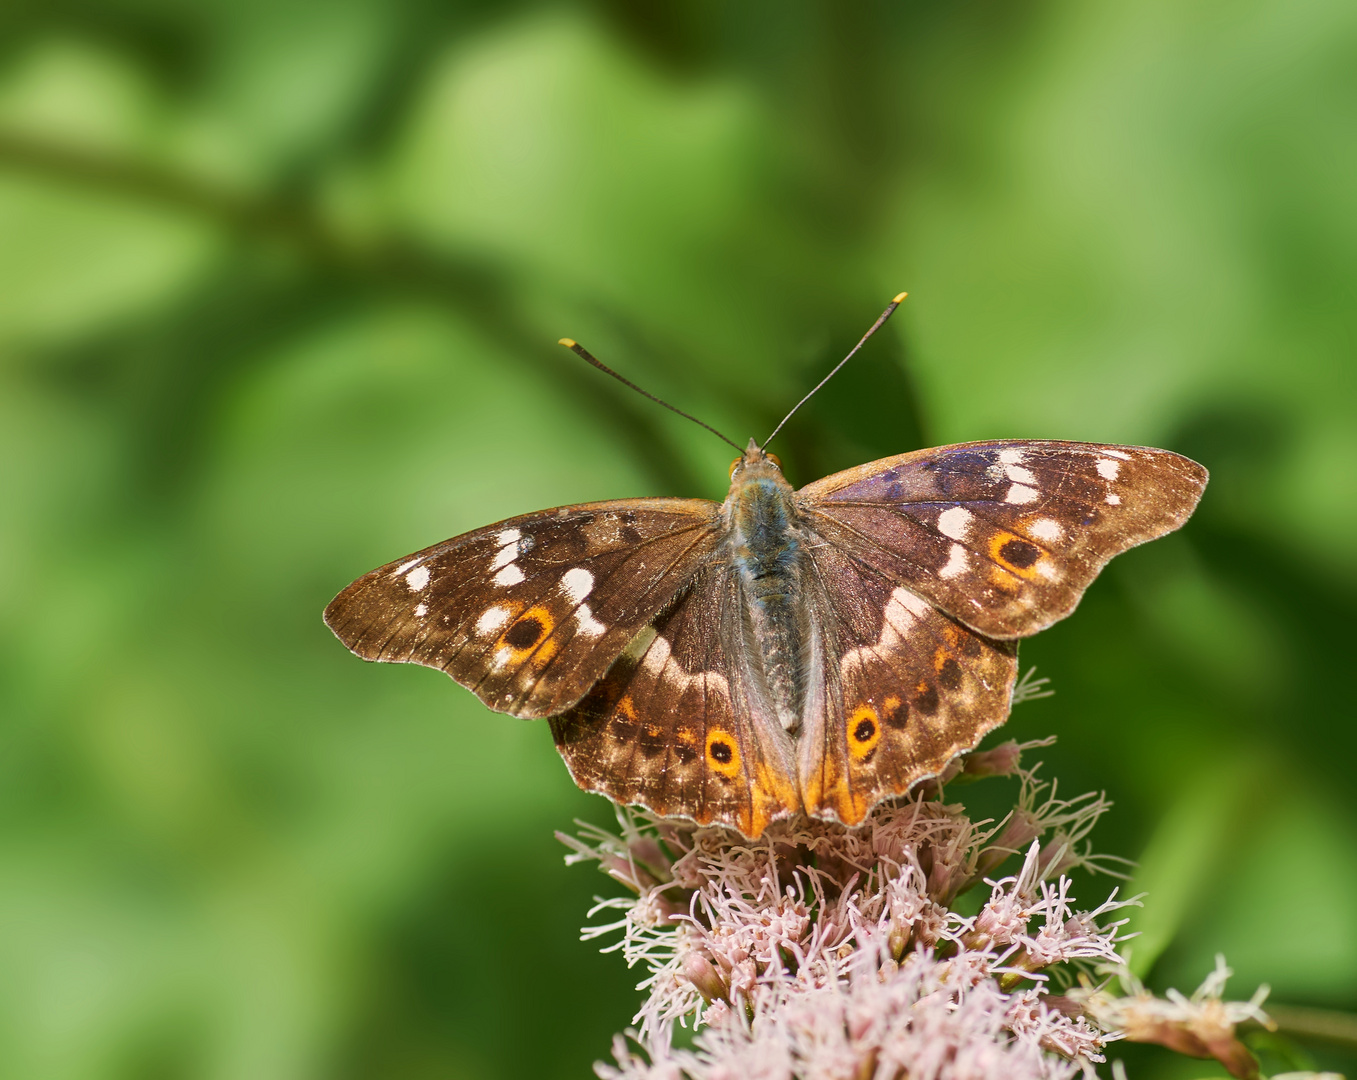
(767, 552)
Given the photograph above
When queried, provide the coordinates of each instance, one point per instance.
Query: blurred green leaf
(1282, 900)
(1184, 858)
(278, 292)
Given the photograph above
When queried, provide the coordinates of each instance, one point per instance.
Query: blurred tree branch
(480, 292)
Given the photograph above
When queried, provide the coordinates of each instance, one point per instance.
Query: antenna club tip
(569, 343)
(899, 297)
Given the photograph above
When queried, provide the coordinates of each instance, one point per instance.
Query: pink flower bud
(646, 851)
(898, 941)
(1022, 828)
(1003, 760)
(700, 971)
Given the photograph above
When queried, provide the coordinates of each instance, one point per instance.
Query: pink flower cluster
(826, 953)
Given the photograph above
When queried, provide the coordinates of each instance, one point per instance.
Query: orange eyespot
(775, 460)
(734, 465)
(864, 731)
(723, 753)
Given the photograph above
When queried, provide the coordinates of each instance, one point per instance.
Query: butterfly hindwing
(674, 725)
(530, 612)
(1004, 536)
(905, 690)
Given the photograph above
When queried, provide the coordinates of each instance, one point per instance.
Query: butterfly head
(754, 462)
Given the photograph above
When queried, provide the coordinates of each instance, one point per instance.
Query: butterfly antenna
(584, 354)
(890, 310)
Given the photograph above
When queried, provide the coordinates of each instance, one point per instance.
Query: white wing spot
(504, 556)
(915, 605)
(657, 655)
(421, 610)
(1114, 500)
(508, 536)
(902, 609)
(1117, 454)
(898, 616)
(1019, 475)
(577, 583)
(492, 619)
(1108, 469)
(405, 566)
(661, 664)
(1011, 456)
(510, 575)
(955, 522)
(1046, 529)
(1020, 493)
(956, 563)
(417, 578)
(589, 626)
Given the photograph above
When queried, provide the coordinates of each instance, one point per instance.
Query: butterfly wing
(529, 613)
(927, 565)
(676, 725)
(1003, 536)
(905, 689)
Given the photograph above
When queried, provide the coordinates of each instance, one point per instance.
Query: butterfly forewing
(1004, 536)
(529, 613)
(675, 726)
(906, 689)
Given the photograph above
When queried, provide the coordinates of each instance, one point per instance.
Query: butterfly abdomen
(767, 552)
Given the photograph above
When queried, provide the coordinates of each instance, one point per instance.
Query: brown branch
(479, 291)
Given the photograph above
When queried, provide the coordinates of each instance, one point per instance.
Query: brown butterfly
(812, 651)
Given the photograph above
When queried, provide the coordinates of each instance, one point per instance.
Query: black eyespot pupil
(864, 731)
(523, 634)
(721, 752)
(1019, 553)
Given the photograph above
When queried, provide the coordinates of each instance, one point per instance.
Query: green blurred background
(279, 289)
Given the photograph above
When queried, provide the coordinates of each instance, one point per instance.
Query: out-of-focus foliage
(279, 284)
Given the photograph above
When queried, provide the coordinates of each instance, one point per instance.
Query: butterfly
(786, 651)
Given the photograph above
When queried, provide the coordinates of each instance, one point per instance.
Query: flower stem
(1305, 1022)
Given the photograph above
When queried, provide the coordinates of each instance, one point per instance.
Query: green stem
(1305, 1022)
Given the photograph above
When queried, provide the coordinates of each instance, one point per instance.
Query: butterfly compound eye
(734, 465)
(775, 460)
